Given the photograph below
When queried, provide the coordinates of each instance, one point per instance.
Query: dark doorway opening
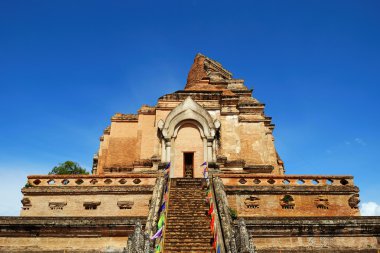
(188, 164)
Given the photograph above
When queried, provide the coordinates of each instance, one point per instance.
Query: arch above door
(191, 112)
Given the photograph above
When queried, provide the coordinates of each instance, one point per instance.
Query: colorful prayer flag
(166, 197)
(162, 208)
(215, 240)
(211, 210)
(161, 221)
(158, 234)
(212, 224)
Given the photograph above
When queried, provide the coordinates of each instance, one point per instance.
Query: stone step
(187, 225)
(187, 217)
(174, 249)
(188, 240)
(179, 224)
(187, 205)
(191, 251)
(187, 202)
(188, 211)
(190, 245)
(179, 214)
(188, 233)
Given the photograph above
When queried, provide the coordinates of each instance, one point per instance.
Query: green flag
(161, 221)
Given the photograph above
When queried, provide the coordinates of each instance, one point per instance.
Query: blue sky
(67, 66)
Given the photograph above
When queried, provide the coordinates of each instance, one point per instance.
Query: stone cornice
(147, 110)
(120, 117)
(64, 227)
(313, 226)
(78, 221)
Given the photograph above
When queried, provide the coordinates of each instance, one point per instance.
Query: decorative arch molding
(193, 113)
(188, 122)
(187, 110)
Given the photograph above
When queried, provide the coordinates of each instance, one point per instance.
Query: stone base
(315, 234)
(68, 234)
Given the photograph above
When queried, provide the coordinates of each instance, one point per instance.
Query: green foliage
(233, 213)
(27, 185)
(68, 168)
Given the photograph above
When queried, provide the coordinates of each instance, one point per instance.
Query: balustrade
(90, 180)
(285, 180)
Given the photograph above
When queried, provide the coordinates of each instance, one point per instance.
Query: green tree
(68, 168)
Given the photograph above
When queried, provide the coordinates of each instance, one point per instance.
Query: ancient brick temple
(197, 172)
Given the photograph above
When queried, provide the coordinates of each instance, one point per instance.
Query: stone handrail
(225, 220)
(283, 180)
(90, 180)
(218, 228)
(140, 241)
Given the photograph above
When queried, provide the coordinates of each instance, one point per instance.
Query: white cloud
(370, 209)
(360, 141)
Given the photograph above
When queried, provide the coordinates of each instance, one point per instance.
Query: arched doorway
(188, 134)
(188, 151)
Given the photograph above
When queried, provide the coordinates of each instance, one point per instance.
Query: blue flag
(205, 163)
(162, 208)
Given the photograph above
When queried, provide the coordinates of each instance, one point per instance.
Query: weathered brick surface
(70, 234)
(315, 234)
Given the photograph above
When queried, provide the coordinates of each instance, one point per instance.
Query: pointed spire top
(205, 68)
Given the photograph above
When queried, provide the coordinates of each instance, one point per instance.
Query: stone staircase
(187, 227)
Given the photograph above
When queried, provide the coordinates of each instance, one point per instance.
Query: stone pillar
(168, 150)
(209, 150)
(205, 157)
(163, 151)
(214, 148)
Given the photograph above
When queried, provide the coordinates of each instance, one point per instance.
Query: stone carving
(57, 205)
(136, 181)
(287, 202)
(321, 202)
(26, 203)
(252, 202)
(242, 181)
(91, 205)
(136, 243)
(108, 181)
(123, 181)
(94, 181)
(244, 244)
(354, 201)
(123, 204)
